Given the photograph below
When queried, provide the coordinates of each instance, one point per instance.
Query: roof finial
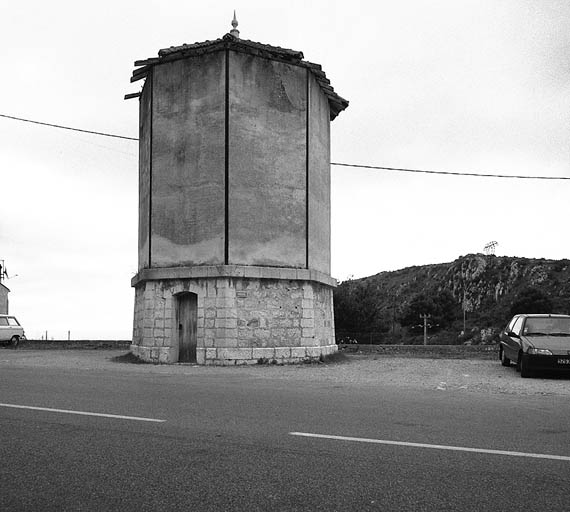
(234, 31)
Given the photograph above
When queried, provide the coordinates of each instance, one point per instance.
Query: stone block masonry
(240, 320)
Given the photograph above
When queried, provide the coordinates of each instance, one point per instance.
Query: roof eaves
(337, 104)
(277, 51)
(187, 48)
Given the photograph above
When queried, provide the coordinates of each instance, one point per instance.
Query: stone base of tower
(243, 314)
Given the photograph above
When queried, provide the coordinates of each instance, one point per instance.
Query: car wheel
(14, 341)
(505, 361)
(518, 364)
(525, 370)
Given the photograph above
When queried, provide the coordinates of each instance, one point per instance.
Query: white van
(10, 330)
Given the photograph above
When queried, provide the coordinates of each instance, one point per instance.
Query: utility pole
(3, 272)
(464, 308)
(425, 319)
(467, 306)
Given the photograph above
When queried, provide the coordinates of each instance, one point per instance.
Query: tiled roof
(336, 103)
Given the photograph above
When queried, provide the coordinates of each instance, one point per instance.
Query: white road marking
(434, 446)
(82, 413)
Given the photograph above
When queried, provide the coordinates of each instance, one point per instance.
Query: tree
(440, 305)
(531, 300)
(357, 307)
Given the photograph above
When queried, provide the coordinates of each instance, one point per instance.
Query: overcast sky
(449, 85)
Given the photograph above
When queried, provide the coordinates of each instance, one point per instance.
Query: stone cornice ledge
(202, 271)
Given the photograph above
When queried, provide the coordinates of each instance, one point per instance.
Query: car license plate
(563, 361)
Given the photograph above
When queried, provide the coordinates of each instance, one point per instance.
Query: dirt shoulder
(440, 374)
(471, 375)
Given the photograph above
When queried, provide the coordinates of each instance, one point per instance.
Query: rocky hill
(476, 294)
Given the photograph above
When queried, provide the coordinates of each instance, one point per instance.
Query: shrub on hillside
(531, 300)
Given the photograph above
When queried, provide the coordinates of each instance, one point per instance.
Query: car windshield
(548, 326)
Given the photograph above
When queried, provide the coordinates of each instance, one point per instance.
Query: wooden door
(187, 313)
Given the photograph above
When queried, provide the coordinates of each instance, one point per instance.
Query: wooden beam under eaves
(146, 62)
(132, 95)
(139, 74)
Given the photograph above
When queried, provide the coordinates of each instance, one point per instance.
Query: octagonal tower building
(234, 205)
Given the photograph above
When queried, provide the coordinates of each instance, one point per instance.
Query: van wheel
(14, 341)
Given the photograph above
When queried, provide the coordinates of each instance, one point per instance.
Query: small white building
(4, 291)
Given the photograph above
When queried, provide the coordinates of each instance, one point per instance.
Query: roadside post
(425, 319)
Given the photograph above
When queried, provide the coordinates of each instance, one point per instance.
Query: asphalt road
(224, 442)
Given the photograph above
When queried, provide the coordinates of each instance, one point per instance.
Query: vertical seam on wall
(151, 92)
(227, 161)
(307, 103)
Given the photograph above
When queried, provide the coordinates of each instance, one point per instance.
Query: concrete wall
(319, 179)
(239, 320)
(188, 147)
(269, 135)
(145, 128)
(267, 162)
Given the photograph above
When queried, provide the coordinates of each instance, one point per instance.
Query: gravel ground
(464, 375)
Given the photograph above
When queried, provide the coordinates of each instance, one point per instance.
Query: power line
(376, 167)
(400, 169)
(68, 128)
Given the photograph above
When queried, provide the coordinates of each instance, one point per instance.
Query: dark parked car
(536, 343)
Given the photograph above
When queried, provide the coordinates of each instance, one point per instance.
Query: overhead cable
(68, 128)
(401, 169)
(376, 167)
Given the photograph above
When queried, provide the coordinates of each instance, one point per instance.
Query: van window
(3, 321)
(13, 321)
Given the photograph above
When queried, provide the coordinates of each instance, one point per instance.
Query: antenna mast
(490, 248)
